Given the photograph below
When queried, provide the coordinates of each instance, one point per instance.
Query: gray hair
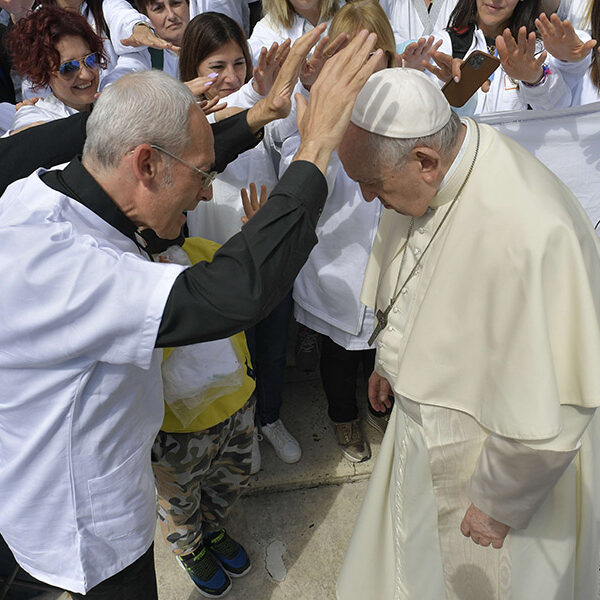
(393, 152)
(144, 107)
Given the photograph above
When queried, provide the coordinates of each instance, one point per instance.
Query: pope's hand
(483, 529)
(380, 392)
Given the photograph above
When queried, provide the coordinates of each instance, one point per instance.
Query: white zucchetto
(401, 103)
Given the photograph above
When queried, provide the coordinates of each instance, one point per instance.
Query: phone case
(476, 68)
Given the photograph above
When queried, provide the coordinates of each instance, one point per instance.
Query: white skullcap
(401, 103)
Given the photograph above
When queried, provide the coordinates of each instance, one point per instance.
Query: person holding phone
(526, 77)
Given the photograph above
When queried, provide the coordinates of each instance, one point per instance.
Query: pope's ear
(144, 164)
(430, 163)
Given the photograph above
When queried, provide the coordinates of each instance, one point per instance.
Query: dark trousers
(267, 343)
(135, 582)
(339, 370)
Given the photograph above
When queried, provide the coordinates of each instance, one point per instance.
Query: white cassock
(492, 350)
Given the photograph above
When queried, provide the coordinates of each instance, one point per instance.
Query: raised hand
(483, 529)
(323, 121)
(518, 57)
(269, 63)
(323, 51)
(144, 36)
(561, 40)
(253, 203)
(200, 85)
(417, 55)
(277, 104)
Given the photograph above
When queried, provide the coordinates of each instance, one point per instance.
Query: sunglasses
(70, 68)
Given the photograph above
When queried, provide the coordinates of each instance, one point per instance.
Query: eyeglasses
(207, 178)
(70, 68)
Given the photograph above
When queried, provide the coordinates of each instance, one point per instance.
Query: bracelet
(546, 70)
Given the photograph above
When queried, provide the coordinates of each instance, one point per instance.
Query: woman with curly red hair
(56, 49)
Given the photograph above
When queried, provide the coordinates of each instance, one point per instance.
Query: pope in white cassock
(485, 276)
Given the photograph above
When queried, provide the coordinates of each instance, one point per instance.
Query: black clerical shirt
(248, 276)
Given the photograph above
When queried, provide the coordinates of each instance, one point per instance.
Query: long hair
(206, 34)
(93, 7)
(283, 13)
(366, 14)
(32, 41)
(525, 13)
(595, 25)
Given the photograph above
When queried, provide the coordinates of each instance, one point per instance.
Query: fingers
(261, 63)
(246, 204)
(320, 48)
(263, 195)
(283, 51)
(485, 88)
(456, 72)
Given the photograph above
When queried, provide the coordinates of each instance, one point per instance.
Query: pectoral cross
(382, 319)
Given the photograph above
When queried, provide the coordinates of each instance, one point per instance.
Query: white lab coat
(81, 395)
(411, 20)
(506, 94)
(238, 10)
(327, 289)
(47, 109)
(267, 31)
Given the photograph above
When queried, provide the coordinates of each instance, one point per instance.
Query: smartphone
(474, 71)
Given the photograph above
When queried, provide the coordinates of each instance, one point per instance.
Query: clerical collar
(446, 190)
(77, 183)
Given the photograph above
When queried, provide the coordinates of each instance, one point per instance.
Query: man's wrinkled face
(397, 188)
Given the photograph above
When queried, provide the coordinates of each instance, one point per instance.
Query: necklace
(382, 315)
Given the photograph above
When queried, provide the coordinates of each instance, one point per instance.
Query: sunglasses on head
(70, 68)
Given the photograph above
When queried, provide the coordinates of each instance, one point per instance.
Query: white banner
(567, 141)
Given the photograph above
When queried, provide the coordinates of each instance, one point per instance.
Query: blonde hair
(283, 13)
(365, 14)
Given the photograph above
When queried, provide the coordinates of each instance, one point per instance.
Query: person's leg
(338, 375)
(135, 582)
(339, 369)
(267, 343)
(180, 462)
(268, 350)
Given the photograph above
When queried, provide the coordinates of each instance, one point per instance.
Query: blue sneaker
(206, 573)
(228, 552)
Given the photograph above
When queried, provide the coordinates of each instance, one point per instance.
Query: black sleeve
(232, 138)
(253, 271)
(44, 145)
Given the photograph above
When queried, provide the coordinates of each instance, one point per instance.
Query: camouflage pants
(200, 475)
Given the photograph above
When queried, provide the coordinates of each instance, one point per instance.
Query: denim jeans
(267, 343)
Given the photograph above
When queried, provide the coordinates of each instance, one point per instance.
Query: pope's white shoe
(284, 443)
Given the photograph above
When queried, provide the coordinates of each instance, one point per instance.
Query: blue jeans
(267, 343)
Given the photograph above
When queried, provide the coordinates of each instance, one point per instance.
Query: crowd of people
(167, 373)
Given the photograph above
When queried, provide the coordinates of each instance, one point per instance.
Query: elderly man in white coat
(485, 279)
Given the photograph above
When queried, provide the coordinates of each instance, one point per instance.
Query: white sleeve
(236, 9)
(7, 116)
(121, 18)
(28, 115)
(127, 63)
(572, 72)
(245, 97)
(98, 305)
(263, 35)
(512, 478)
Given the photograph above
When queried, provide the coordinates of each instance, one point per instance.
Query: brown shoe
(350, 438)
(379, 423)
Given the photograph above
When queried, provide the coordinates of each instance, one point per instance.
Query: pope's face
(181, 188)
(401, 189)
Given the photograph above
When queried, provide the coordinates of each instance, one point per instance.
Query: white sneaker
(256, 437)
(284, 443)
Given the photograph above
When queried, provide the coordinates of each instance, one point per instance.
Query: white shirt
(81, 395)
(411, 20)
(46, 109)
(238, 10)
